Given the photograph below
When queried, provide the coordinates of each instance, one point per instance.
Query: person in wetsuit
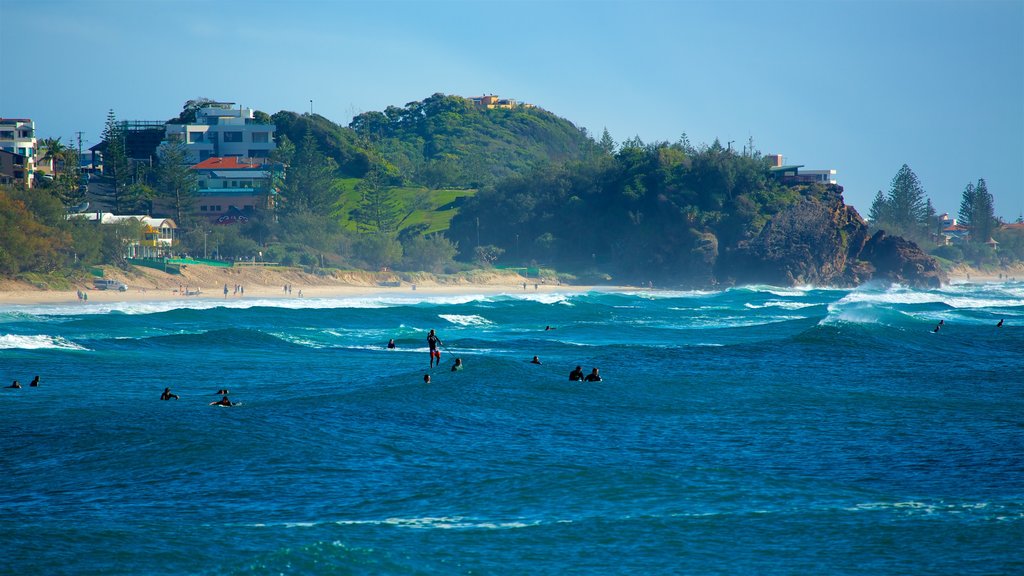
(167, 395)
(433, 342)
(222, 402)
(576, 375)
(593, 376)
(35, 382)
(535, 360)
(15, 384)
(391, 344)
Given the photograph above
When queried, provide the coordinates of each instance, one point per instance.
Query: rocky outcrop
(823, 242)
(894, 259)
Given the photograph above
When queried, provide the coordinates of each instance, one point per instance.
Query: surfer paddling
(222, 402)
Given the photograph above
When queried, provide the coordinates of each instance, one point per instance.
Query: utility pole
(310, 107)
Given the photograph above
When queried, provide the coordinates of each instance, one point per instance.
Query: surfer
(593, 376)
(15, 385)
(35, 382)
(391, 344)
(576, 375)
(222, 402)
(426, 378)
(546, 328)
(167, 395)
(458, 365)
(222, 392)
(535, 360)
(1000, 325)
(433, 342)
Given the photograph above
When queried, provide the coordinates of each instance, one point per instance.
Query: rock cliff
(821, 241)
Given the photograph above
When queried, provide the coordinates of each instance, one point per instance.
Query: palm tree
(55, 151)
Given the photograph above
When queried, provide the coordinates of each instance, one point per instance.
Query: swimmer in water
(15, 385)
(576, 375)
(167, 395)
(593, 376)
(426, 378)
(535, 360)
(35, 382)
(222, 392)
(458, 365)
(1000, 325)
(391, 344)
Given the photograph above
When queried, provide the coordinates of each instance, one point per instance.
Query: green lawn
(436, 206)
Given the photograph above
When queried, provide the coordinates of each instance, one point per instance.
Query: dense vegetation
(648, 212)
(420, 186)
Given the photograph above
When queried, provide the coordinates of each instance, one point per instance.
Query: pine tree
(879, 213)
(967, 201)
(115, 159)
(378, 212)
(607, 144)
(309, 183)
(908, 210)
(176, 182)
(984, 213)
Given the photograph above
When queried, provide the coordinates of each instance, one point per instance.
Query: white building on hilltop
(223, 131)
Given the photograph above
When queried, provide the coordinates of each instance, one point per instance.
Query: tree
(176, 182)
(378, 250)
(430, 253)
(607, 144)
(977, 211)
(310, 179)
(879, 213)
(908, 209)
(115, 159)
(377, 212)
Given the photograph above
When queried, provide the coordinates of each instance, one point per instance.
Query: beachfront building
(222, 131)
(18, 138)
(232, 189)
(156, 235)
(794, 173)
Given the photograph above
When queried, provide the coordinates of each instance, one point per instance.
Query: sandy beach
(207, 283)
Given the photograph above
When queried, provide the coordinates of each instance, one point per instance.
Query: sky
(861, 87)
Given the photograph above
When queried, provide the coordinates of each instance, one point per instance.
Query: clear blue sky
(862, 87)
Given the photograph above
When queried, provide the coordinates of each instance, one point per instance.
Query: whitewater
(753, 430)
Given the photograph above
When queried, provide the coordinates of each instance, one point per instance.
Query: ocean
(755, 430)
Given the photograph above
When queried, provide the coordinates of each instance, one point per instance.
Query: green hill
(447, 141)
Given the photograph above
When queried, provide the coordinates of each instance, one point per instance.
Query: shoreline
(153, 286)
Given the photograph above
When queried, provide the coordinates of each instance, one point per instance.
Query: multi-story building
(18, 136)
(223, 131)
(231, 189)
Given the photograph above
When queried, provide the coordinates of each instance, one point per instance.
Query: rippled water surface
(756, 430)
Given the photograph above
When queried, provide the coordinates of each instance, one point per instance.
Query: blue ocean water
(754, 430)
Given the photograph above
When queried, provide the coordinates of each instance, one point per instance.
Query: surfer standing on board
(433, 342)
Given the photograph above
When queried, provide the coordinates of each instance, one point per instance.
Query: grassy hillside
(432, 210)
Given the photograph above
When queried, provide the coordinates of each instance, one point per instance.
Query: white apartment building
(18, 136)
(223, 131)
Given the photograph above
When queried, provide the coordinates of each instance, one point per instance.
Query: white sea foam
(781, 304)
(465, 319)
(36, 342)
(425, 523)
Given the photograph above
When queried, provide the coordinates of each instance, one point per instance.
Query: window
(232, 136)
(260, 137)
(202, 208)
(7, 135)
(259, 153)
(194, 137)
(202, 183)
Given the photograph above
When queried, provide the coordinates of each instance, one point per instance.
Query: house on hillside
(18, 139)
(955, 233)
(157, 236)
(221, 131)
(232, 189)
(793, 173)
(491, 102)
